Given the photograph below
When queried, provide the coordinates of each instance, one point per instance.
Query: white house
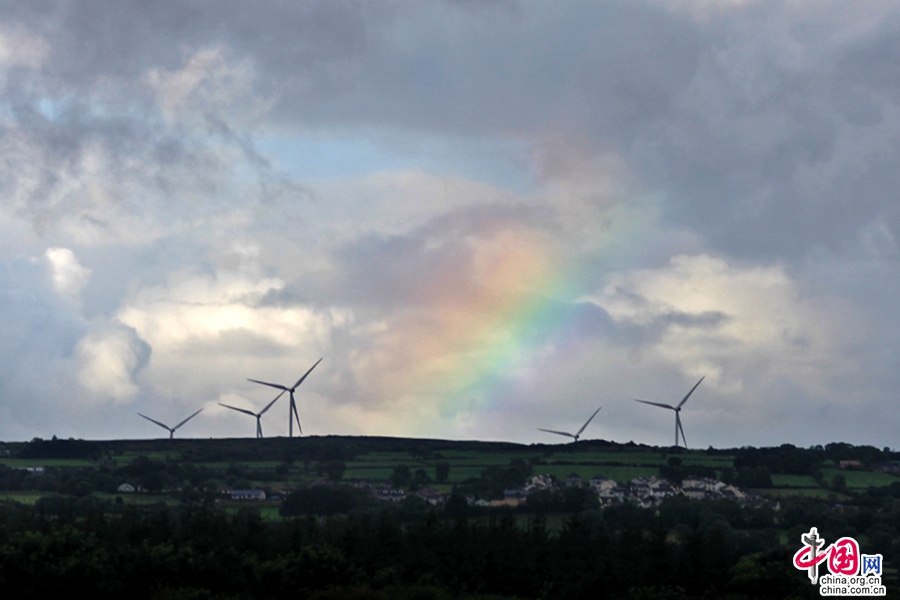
(248, 495)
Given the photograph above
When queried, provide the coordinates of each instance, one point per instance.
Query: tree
(541, 501)
(442, 471)
(319, 500)
(456, 507)
(839, 483)
(577, 499)
(750, 477)
(335, 469)
(82, 488)
(672, 473)
(401, 476)
(729, 475)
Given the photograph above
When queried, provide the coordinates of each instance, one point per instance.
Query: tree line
(203, 552)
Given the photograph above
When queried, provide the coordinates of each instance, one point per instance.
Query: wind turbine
(171, 429)
(292, 409)
(577, 435)
(677, 410)
(257, 415)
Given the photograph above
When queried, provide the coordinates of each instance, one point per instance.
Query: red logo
(842, 555)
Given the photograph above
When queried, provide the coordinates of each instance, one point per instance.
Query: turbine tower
(258, 415)
(577, 435)
(292, 409)
(171, 429)
(677, 410)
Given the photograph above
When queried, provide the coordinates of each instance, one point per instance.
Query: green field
(369, 473)
(46, 462)
(268, 512)
(640, 458)
(794, 481)
(260, 463)
(464, 465)
(142, 499)
(127, 457)
(860, 479)
(621, 474)
(780, 493)
(21, 497)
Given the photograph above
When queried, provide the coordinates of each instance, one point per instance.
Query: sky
(486, 216)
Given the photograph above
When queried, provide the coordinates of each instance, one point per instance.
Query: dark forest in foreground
(203, 552)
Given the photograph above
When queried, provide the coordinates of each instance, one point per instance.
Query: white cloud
(206, 87)
(108, 361)
(21, 48)
(209, 333)
(68, 276)
(194, 308)
(734, 323)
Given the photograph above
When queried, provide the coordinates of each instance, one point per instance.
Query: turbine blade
(188, 419)
(680, 428)
(297, 415)
(557, 432)
(669, 406)
(676, 428)
(299, 381)
(269, 405)
(691, 392)
(163, 425)
(274, 385)
(588, 421)
(246, 412)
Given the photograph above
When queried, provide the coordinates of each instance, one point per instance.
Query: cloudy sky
(486, 216)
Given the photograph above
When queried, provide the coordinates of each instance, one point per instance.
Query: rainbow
(480, 323)
(505, 310)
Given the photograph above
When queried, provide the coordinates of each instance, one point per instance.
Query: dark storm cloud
(513, 70)
(650, 82)
(32, 312)
(505, 67)
(391, 269)
(782, 143)
(100, 39)
(392, 272)
(38, 334)
(47, 149)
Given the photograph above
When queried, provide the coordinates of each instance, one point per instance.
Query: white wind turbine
(258, 415)
(576, 435)
(677, 409)
(292, 409)
(170, 429)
